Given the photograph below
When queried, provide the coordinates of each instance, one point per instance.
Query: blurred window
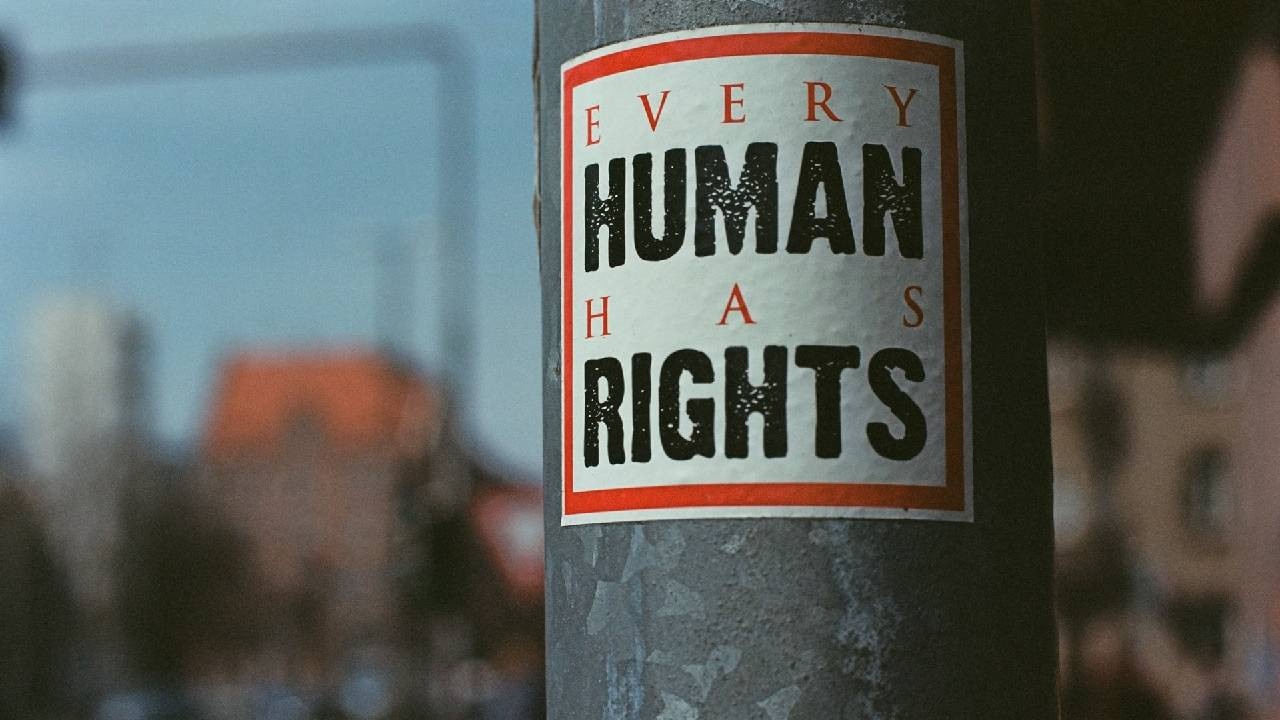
(1200, 626)
(1206, 501)
(1070, 508)
(1066, 369)
(1207, 379)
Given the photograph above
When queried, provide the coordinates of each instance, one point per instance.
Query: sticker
(764, 281)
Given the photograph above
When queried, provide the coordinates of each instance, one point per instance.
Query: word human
(680, 202)
(757, 189)
(820, 210)
(608, 386)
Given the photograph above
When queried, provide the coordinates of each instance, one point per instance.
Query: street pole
(682, 581)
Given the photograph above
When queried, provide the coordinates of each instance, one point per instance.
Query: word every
(819, 94)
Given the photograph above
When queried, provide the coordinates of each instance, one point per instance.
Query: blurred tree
(188, 595)
(36, 613)
(1131, 95)
(1104, 425)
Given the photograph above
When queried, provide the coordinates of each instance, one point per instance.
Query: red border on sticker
(951, 495)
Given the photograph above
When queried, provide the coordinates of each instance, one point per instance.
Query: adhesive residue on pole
(764, 281)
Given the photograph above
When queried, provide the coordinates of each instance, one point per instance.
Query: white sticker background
(816, 298)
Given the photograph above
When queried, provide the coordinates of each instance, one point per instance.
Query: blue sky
(244, 212)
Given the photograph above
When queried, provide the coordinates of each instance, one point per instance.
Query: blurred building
(306, 454)
(397, 570)
(84, 425)
(1237, 249)
(1147, 500)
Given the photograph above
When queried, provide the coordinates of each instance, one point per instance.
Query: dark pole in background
(805, 619)
(455, 112)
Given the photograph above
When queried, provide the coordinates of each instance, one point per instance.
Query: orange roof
(358, 400)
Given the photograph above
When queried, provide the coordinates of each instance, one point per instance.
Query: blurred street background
(269, 451)
(249, 467)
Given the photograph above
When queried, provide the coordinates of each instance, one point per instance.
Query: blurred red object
(509, 522)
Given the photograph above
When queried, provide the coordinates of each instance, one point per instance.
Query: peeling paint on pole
(760, 616)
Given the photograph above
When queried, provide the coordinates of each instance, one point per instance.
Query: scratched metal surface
(822, 619)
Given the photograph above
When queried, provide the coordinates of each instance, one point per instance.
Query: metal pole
(455, 166)
(818, 618)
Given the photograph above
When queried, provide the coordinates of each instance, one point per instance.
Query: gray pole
(817, 619)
